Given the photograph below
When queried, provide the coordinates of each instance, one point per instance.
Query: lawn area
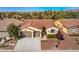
(8, 45)
(51, 37)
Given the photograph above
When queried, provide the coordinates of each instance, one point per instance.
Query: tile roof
(38, 23)
(4, 23)
(70, 22)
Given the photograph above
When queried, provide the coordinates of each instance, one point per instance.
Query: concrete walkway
(28, 45)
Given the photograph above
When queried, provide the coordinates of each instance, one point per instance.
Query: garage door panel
(27, 34)
(37, 34)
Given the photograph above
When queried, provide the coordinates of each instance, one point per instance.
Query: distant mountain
(73, 9)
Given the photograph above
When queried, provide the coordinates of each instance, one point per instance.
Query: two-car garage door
(37, 34)
(29, 34)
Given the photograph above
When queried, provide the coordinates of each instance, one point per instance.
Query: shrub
(51, 36)
(5, 40)
(13, 30)
(15, 39)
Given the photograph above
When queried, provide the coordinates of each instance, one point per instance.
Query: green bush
(13, 30)
(16, 38)
(5, 40)
(51, 36)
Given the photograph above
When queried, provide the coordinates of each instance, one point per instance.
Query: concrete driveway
(28, 45)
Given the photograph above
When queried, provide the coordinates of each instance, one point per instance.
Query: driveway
(28, 45)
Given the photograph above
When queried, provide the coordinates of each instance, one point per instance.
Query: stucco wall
(65, 30)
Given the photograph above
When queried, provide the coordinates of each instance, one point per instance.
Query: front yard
(49, 44)
(76, 39)
(51, 37)
(8, 44)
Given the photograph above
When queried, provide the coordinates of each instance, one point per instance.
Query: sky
(30, 9)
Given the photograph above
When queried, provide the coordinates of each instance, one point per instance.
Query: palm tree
(43, 31)
(60, 37)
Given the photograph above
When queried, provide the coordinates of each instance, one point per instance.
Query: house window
(52, 30)
(74, 29)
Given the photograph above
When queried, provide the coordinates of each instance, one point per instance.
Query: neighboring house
(4, 24)
(73, 30)
(34, 28)
(68, 26)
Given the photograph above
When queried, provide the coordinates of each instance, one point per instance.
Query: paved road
(28, 45)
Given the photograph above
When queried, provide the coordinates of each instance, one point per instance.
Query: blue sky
(28, 9)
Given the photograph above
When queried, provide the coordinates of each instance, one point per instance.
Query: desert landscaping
(39, 31)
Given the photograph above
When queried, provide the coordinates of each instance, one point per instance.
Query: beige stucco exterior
(58, 25)
(48, 31)
(64, 30)
(31, 30)
(25, 29)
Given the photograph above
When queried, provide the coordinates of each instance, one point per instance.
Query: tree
(56, 17)
(13, 30)
(40, 15)
(43, 31)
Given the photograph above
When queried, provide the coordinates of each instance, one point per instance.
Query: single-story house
(35, 28)
(68, 26)
(71, 25)
(40, 27)
(4, 24)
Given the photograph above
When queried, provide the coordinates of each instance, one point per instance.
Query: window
(74, 29)
(52, 30)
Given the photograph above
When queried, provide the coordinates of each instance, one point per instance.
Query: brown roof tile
(70, 22)
(38, 23)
